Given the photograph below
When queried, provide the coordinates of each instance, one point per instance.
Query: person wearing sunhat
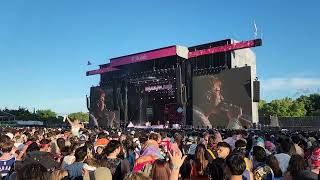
(102, 139)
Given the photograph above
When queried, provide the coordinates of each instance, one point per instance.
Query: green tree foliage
(315, 102)
(24, 114)
(279, 107)
(82, 116)
(46, 114)
(311, 104)
(262, 103)
(262, 108)
(287, 107)
(21, 113)
(297, 109)
(307, 103)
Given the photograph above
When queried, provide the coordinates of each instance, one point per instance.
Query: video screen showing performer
(100, 113)
(223, 100)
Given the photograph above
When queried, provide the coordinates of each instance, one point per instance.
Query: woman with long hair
(160, 170)
(274, 164)
(296, 166)
(200, 163)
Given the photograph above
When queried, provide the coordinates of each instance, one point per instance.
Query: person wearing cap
(102, 140)
(270, 147)
(100, 145)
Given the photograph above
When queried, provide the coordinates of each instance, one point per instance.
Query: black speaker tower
(256, 91)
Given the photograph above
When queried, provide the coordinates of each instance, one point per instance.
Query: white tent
(130, 125)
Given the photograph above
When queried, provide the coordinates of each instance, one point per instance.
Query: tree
(262, 107)
(307, 103)
(82, 116)
(297, 109)
(311, 103)
(262, 103)
(46, 114)
(21, 113)
(315, 102)
(280, 107)
(283, 108)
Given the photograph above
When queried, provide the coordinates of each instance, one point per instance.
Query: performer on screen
(99, 115)
(208, 100)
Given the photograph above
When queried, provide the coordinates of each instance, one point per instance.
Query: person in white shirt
(283, 157)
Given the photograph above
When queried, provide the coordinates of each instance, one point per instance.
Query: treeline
(44, 115)
(288, 107)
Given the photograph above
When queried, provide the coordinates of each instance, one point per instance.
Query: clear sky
(45, 45)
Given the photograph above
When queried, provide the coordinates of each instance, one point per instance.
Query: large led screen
(223, 99)
(101, 111)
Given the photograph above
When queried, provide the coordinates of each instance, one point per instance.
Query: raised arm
(176, 162)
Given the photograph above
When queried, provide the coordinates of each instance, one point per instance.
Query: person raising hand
(76, 125)
(176, 162)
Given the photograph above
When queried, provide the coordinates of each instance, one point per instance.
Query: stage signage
(146, 56)
(225, 48)
(158, 87)
(100, 71)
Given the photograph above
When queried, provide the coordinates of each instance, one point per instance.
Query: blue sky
(44, 45)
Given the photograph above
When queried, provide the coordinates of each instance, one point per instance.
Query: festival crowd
(38, 153)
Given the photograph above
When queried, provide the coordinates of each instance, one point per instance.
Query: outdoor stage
(206, 85)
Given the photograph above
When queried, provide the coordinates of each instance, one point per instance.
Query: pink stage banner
(225, 48)
(140, 57)
(150, 127)
(100, 71)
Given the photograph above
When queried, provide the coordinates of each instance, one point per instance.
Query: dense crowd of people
(31, 153)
